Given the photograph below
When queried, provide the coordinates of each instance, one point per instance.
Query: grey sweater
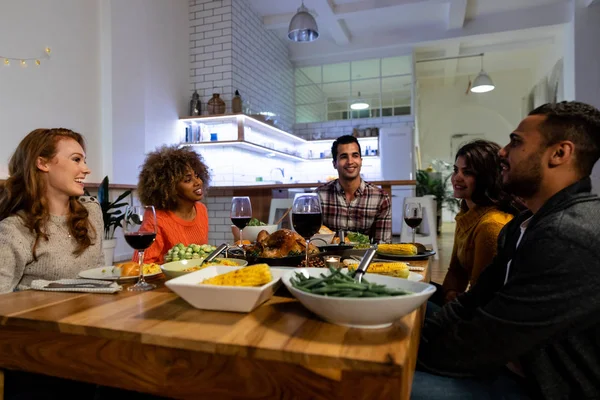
(546, 318)
(55, 258)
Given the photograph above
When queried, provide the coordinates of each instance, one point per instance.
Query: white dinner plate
(413, 276)
(105, 273)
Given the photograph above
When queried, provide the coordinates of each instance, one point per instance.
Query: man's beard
(525, 183)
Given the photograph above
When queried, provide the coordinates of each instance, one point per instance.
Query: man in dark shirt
(530, 326)
(350, 203)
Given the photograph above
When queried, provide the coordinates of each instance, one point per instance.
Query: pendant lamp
(483, 83)
(303, 27)
(359, 104)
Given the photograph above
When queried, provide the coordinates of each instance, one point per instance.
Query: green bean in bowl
(342, 284)
(377, 302)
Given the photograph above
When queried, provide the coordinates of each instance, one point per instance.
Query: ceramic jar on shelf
(216, 105)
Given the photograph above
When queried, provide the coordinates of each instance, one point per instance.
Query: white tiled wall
(230, 50)
(219, 223)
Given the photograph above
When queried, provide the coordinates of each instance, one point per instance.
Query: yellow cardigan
(475, 245)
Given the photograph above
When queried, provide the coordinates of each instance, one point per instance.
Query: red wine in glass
(140, 240)
(240, 222)
(139, 229)
(241, 214)
(413, 222)
(307, 217)
(307, 224)
(413, 216)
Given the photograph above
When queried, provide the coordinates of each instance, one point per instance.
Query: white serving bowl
(322, 239)
(222, 298)
(369, 313)
(174, 269)
(251, 232)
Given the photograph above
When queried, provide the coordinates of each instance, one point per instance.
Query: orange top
(173, 230)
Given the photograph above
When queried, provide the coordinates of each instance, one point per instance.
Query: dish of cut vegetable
(253, 275)
(340, 284)
(191, 252)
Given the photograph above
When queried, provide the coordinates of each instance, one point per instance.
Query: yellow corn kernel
(398, 248)
(396, 269)
(254, 275)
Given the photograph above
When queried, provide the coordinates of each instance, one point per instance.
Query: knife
(85, 285)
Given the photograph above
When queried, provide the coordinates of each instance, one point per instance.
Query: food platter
(419, 256)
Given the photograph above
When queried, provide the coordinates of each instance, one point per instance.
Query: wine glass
(241, 213)
(413, 215)
(139, 228)
(307, 217)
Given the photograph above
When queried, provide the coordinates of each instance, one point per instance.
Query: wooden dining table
(155, 342)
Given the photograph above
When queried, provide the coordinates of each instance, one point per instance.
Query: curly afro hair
(163, 169)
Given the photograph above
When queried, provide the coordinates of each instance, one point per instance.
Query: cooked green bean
(338, 284)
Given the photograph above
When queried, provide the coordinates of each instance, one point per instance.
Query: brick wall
(230, 50)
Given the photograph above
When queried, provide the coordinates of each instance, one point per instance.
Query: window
(327, 92)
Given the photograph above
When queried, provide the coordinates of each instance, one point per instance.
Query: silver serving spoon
(364, 263)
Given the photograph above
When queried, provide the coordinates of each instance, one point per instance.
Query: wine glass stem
(141, 262)
(413, 229)
(306, 252)
(242, 243)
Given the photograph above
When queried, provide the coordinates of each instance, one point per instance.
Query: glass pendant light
(303, 27)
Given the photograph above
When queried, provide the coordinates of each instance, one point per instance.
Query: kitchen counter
(261, 195)
(384, 184)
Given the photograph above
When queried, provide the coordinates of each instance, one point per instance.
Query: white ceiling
(512, 33)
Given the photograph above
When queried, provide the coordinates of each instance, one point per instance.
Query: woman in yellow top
(485, 209)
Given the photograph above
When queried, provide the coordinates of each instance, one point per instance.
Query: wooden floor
(445, 243)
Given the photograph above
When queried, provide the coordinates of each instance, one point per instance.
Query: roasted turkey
(281, 243)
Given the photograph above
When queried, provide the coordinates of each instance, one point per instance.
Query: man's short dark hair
(577, 122)
(346, 139)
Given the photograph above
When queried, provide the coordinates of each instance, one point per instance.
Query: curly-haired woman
(47, 230)
(485, 209)
(173, 180)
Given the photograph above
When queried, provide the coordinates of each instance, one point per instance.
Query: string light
(23, 61)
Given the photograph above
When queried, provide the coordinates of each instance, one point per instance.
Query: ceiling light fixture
(303, 27)
(483, 83)
(359, 104)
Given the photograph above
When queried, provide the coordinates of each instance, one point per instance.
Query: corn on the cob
(255, 275)
(398, 248)
(397, 269)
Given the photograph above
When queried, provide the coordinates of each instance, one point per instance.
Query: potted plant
(112, 215)
(434, 183)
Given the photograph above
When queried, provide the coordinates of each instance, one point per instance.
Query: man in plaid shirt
(350, 203)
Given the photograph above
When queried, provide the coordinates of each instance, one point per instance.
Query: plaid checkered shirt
(368, 213)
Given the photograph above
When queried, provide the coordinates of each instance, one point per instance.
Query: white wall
(62, 92)
(149, 80)
(446, 110)
(118, 75)
(585, 62)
